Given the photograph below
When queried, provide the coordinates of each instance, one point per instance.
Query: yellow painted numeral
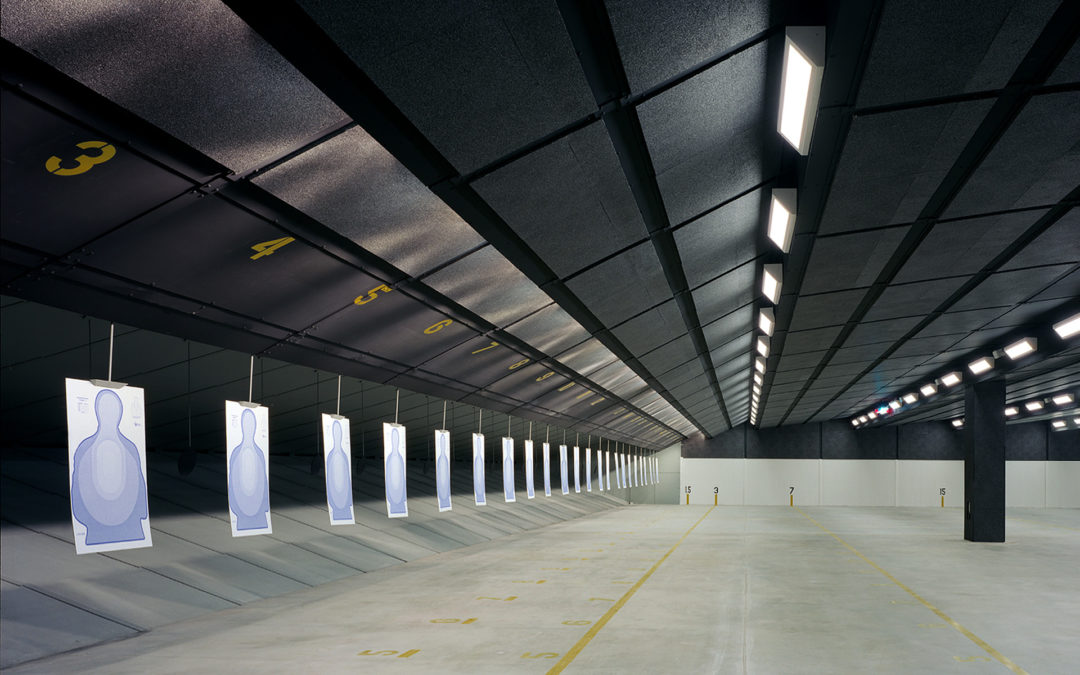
(519, 364)
(506, 599)
(542, 581)
(388, 652)
(473, 620)
(566, 386)
(265, 248)
(540, 655)
(372, 294)
(85, 162)
(545, 376)
(436, 327)
(493, 345)
(584, 395)
(602, 398)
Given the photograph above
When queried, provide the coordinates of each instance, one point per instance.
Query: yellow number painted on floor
(372, 294)
(436, 327)
(519, 364)
(85, 162)
(540, 655)
(493, 345)
(265, 248)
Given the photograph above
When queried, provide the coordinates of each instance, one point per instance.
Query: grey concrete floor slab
(667, 589)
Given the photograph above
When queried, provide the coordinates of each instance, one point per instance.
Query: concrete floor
(668, 589)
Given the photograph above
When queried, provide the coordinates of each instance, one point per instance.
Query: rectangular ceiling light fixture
(862, 419)
(1068, 328)
(895, 405)
(980, 366)
(765, 321)
(951, 379)
(759, 365)
(782, 217)
(763, 346)
(1058, 424)
(772, 278)
(758, 379)
(855, 422)
(800, 84)
(1063, 399)
(872, 415)
(1033, 406)
(911, 398)
(928, 389)
(958, 422)
(1021, 348)
(1011, 411)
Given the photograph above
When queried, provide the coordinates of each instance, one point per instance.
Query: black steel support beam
(984, 461)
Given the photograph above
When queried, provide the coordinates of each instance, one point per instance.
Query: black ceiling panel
(603, 288)
(737, 346)
(681, 373)
(964, 246)
(478, 79)
(720, 240)
(587, 357)
(888, 330)
(670, 355)
(354, 186)
(739, 364)
(924, 51)
(893, 162)
(1060, 243)
(812, 340)
(789, 361)
(651, 329)
(961, 322)
(550, 330)
(611, 375)
(1067, 287)
(826, 309)
(850, 260)
(1008, 288)
(702, 135)
(475, 362)
(913, 299)
(569, 200)
(726, 294)
(528, 382)
(1036, 162)
(978, 339)
(1023, 314)
(200, 74)
(927, 346)
(56, 213)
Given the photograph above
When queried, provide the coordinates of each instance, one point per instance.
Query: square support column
(984, 461)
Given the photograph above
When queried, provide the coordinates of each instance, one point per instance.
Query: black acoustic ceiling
(550, 208)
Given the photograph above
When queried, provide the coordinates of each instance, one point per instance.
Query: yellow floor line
(596, 627)
(1039, 522)
(944, 617)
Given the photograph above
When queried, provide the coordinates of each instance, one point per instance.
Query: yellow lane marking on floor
(1039, 522)
(944, 617)
(596, 627)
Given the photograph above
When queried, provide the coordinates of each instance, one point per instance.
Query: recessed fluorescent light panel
(1033, 406)
(782, 217)
(855, 423)
(872, 415)
(950, 379)
(958, 423)
(763, 346)
(911, 398)
(928, 390)
(765, 320)
(1058, 424)
(1063, 399)
(1068, 328)
(1021, 348)
(1011, 411)
(863, 418)
(758, 379)
(895, 405)
(759, 365)
(980, 366)
(800, 84)
(771, 279)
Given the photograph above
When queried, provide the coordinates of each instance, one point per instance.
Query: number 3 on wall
(84, 162)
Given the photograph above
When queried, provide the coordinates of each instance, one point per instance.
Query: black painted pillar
(984, 461)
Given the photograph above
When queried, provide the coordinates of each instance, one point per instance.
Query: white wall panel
(1063, 484)
(1025, 484)
(919, 482)
(769, 481)
(703, 476)
(858, 482)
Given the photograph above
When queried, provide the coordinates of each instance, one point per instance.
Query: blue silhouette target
(442, 468)
(337, 455)
(530, 491)
(106, 464)
(479, 491)
(577, 469)
(588, 469)
(508, 469)
(562, 470)
(397, 505)
(247, 441)
(547, 469)
(607, 467)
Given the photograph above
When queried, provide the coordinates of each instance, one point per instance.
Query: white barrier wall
(867, 482)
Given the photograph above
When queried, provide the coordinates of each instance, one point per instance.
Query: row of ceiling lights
(1037, 406)
(800, 87)
(1065, 329)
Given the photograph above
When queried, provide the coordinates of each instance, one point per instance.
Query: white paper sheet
(394, 463)
(337, 460)
(247, 446)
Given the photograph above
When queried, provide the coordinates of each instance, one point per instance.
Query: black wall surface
(838, 440)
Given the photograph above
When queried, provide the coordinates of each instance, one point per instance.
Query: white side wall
(854, 482)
